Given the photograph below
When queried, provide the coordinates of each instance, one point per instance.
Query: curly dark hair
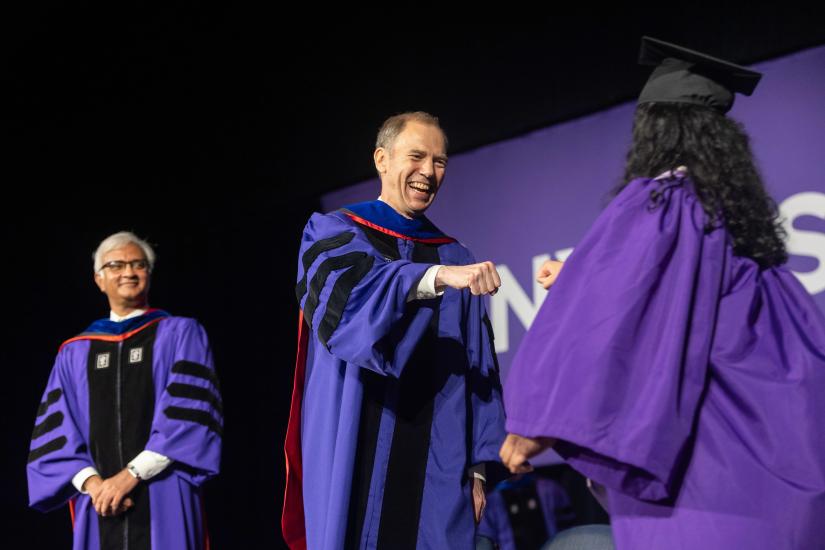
(717, 152)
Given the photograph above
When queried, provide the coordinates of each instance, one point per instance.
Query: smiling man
(130, 425)
(397, 398)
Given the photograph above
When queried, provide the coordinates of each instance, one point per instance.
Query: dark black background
(211, 131)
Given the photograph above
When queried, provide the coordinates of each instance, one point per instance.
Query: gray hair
(119, 240)
(394, 125)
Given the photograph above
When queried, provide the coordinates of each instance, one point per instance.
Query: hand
(548, 272)
(516, 450)
(479, 499)
(111, 496)
(479, 278)
(92, 485)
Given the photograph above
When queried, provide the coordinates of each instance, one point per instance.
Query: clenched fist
(548, 272)
(517, 450)
(479, 278)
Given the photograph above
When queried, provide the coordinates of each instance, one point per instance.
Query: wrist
(90, 482)
(438, 282)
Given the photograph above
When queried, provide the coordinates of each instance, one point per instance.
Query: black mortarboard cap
(686, 76)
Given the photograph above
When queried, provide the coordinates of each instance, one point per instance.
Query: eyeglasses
(116, 266)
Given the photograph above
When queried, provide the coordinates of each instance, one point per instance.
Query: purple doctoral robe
(401, 396)
(685, 379)
(119, 388)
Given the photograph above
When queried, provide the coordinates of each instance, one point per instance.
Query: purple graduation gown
(117, 389)
(687, 380)
(400, 397)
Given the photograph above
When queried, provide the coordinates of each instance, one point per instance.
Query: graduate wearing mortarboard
(676, 362)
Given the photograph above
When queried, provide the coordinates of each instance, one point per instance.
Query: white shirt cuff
(148, 464)
(425, 290)
(80, 478)
(477, 475)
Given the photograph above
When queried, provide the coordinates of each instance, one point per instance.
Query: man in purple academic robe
(400, 395)
(676, 362)
(130, 424)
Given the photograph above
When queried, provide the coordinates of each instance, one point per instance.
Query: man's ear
(99, 281)
(380, 157)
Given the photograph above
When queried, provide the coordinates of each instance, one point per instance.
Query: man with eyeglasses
(130, 425)
(397, 401)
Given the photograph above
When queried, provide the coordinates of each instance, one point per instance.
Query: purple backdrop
(520, 201)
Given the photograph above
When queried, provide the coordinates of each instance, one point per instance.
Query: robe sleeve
(615, 364)
(355, 300)
(58, 447)
(484, 384)
(188, 423)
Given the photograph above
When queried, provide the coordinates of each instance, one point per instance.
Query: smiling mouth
(420, 187)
